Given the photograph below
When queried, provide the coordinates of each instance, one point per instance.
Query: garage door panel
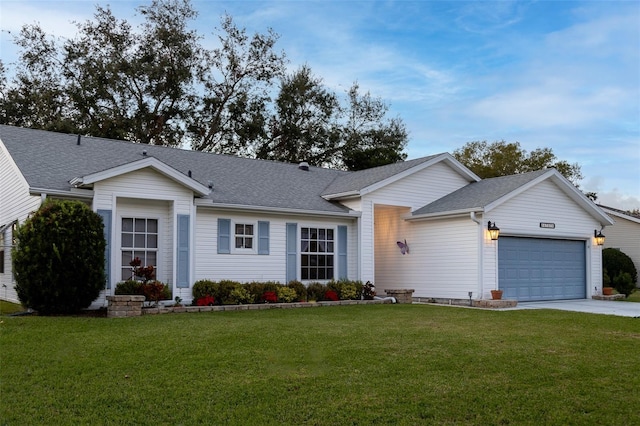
(541, 269)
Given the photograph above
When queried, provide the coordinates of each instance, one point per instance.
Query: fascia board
(620, 215)
(75, 193)
(202, 202)
(342, 195)
(445, 214)
(151, 162)
(446, 157)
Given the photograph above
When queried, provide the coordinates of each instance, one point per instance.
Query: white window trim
(334, 253)
(159, 249)
(254, 237)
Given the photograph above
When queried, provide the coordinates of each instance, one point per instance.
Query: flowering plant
(207, 300)
(368, 291)
(270, 297)
(331, 295)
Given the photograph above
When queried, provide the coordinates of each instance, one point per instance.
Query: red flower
(331, 295)
(270, 297)
(206, 301)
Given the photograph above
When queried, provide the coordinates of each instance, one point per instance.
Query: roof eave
(73, 193)
(203, 202)
(445, 214)
(150, 162)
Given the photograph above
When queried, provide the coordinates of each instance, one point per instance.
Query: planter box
(124, 306)
(402, 295)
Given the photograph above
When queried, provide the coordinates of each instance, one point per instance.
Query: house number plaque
(547, 225)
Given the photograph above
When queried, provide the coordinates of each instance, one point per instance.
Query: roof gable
(488, 194)
(365, 181)
(152, 163)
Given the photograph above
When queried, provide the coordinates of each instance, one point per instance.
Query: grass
(355, 365)
(633, 297)
(7, 308)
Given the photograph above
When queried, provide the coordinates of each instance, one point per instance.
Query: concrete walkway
(624, 309)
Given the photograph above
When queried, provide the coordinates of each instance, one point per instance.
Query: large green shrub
(616, 262)
(59, 258)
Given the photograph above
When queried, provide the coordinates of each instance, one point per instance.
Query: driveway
(623, 309)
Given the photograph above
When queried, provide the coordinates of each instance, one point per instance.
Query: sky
(558, 74)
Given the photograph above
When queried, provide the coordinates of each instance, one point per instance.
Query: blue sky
(557, 74)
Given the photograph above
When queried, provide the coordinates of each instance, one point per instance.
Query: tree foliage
(304, 126)
(236, 79)
(311, 124)
(502, 158)
(59, 258)
(157, 84)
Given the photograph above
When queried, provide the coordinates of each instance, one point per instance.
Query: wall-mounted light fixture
(494, 231)
(599, 237)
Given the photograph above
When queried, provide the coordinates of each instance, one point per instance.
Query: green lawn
(355, 365)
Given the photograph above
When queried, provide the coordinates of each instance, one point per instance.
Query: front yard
(377, 364)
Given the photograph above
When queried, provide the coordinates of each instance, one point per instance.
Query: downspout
(480, 255)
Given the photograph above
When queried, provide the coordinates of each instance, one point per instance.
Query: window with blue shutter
(342, 252)
(224, 236)
(182, 270)
(106, 221)
(263, 237)
(292, 252)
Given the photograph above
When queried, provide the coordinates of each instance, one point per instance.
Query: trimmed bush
(59, 259)
(316, 291)
(623, 283)
(203, 288)
(224, 290)
(129, 287)
(616, 262)
(301, 290)
(240, 295)
(286, 294)
(346, 289)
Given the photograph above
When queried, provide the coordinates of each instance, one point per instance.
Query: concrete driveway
(623, 309)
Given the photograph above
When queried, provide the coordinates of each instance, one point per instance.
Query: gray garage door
(532, 269)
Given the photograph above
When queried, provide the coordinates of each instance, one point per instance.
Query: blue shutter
(182, 270)
(342, 252)
(292, 251)
(106, 220)
(263, 237)
(224, 236)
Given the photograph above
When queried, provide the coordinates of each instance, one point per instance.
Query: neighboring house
(624, 235)
(197, 215)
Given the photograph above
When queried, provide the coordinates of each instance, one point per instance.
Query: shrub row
(226, 292)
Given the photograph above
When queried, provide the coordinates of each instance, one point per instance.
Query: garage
(531, 269)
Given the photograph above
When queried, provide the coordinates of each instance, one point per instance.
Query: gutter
(85, 194)
(278, 210)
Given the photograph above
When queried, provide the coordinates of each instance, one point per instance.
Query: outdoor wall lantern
(599, 237)
(494, 231)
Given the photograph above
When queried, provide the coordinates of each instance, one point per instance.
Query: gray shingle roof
(50, 160)
(364, 178)
(478, 195)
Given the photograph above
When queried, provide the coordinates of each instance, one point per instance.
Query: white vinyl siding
(15, 204)
(245, 267)
(409, 194)
(145, 194)
(625, 236)
(444, 259)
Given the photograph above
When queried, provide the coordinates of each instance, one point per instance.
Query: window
(317, 248)
(244, 236)
(139, 239)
